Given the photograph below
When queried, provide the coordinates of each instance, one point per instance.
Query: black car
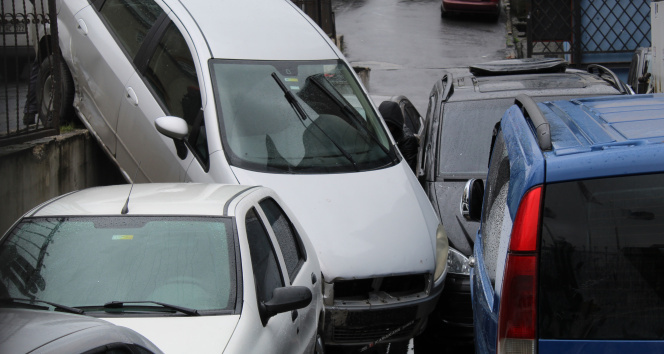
(462, 112)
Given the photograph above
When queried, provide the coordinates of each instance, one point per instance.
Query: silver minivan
(253, 92)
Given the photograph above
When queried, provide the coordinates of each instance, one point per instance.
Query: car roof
(276, 29)
(539, 77)
(605, 136)
(146, 199)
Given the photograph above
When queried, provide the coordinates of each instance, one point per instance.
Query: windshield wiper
(300, 111)
(120, 304)
(30, 302)
(348, 111)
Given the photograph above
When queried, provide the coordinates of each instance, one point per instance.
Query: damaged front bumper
(381, 318)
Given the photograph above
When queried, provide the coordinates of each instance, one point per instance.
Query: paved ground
(407, 44)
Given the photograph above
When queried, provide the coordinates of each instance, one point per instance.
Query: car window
(264, 261)
(287, 236)
(130, 21)
(171, 73)
(496, 221)
(89, 261)
(464, 124)
(601, 259)
(297, 117)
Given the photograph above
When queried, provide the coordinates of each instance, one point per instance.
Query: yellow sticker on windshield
(123, 237)
(291, 79)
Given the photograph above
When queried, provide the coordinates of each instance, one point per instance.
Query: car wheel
(46, 92)
(443, 13)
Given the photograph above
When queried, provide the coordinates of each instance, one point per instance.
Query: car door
(412, 118)
(167, 85)
(107, 38)
(301, 270)
(280, 333)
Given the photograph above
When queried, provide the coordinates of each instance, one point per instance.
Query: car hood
(26, 331)
(193, 334)
(362, 224)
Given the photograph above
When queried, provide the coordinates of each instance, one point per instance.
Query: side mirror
(285, 299)
(471, 200)
(175, 128)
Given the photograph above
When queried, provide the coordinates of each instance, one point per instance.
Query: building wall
(37, 171)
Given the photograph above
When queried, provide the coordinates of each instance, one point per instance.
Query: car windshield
(90, 261)
(465, 138)
(297, 117)
(465, 135)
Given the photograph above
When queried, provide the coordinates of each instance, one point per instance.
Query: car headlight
(442, 248)
(457, 263)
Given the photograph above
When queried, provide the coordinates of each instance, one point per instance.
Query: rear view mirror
(175, 128)
(471, 200)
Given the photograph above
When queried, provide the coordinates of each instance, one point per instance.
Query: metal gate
(29, 83)
(321, 12)
(588, 31)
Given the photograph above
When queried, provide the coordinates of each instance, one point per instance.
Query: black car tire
(45, 91)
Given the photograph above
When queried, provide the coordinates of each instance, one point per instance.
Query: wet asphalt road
(407, 44)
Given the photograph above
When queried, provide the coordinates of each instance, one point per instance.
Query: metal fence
(588, 31)
(28, 82)
(321, 12)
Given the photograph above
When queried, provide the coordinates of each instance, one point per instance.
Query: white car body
(368, 224)
(293, 331)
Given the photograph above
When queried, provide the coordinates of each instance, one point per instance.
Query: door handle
(313, 278)
(82, 27)
(131, 96)
(294, 315)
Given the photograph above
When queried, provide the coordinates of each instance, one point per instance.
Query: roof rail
(619, 85)
(448, 86)
(530, 109)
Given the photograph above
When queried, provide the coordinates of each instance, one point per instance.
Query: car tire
(45, 91)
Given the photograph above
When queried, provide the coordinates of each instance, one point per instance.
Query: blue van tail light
(527, 221)
(517, 317)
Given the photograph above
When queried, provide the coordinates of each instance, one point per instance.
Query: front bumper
(368, 323)
(453, 316)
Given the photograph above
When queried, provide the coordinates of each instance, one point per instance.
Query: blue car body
(593, 140)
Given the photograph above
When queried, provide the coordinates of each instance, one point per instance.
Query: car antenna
(125, 208)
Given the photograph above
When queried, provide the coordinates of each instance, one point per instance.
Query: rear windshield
(602, 256)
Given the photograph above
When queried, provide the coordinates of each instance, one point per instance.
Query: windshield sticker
(295, 87)
(292, 79)
(123, 237)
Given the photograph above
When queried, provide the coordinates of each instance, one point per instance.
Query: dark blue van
(569, 256)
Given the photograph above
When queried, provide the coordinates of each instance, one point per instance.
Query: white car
(253, 92)
(194, 268)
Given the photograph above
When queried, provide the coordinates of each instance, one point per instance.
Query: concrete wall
(37, 171)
